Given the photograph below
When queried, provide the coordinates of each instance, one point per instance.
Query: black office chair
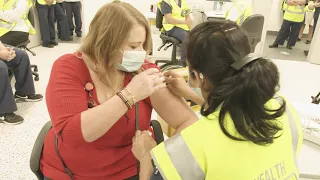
(167, 41)
(253, 26)
(24, 45)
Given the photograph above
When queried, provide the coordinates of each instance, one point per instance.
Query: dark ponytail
(212, 48)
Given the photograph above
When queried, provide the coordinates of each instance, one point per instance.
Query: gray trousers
(284, 33)
(46, 22)
(181, 35)
(20, 66)
(73, 9)
(62, 21)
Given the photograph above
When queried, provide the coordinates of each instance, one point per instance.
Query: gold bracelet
(132, 96)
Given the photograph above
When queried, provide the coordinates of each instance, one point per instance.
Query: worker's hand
(49, 2)
(7, 54)
(142, 143)
(189, 22)
(12, 53)
(146, 83)
(177, 84)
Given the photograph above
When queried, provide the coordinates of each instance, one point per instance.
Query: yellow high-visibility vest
(43, 2)
(244, 10)
(177, 13)
(284, 5)
(294, 13)
(203, 151)
(6, 27)
(307, 7)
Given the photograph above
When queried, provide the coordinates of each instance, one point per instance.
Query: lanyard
(137, 128)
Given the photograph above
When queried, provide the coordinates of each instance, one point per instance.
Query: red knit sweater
(110, 156)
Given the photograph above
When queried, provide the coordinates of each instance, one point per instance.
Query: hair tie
(237, 65)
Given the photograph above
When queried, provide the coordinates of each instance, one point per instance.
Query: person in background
(16, 60)
(177, 21)
(73, 8)
(239, 11)
(243, 117)
(62, 21)
(46, 10)
(293, 18)
(315, 22)
(14, 24)
(310, 9)
(92, 96)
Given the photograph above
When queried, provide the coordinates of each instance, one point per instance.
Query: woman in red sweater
(90, 97)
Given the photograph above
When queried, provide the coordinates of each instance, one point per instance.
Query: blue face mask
(132, 61)
(196, 90)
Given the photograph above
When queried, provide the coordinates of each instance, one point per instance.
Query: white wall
(35, 40)
(314, 53)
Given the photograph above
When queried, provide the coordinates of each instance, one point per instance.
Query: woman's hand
(142, 143)
(177, 85)
(146, 83)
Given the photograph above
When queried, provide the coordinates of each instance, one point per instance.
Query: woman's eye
(133, 47)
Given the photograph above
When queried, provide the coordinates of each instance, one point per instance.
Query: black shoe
(306, 52)
(298, 39)
(54, 43)
(289, 47)
(274, 46)
(68, 39)
(79, 34)
(308, 42)
(49, 45)
(10, 118)
(29, 98)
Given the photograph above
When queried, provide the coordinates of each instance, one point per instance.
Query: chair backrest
(37, 151)
(159, 18)
(253, 26)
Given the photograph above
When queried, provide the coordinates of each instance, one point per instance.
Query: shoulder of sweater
(69, 62)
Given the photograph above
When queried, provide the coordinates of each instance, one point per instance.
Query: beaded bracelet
(124, 99)
(132, 96)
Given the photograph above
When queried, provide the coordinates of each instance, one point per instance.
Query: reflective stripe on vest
(177, 13)
(186, 167)
(292, 13)
(183, 161)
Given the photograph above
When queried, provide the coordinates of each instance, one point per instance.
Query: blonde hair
(108, 31)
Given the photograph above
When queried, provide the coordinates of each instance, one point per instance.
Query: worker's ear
(196, 79)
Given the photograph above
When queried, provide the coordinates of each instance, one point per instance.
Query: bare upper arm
(172, 109)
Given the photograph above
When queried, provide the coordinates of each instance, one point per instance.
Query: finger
(171, 73)
(138, 133)
(159, 86)
(155, 77)
(158, 80)
(151, 71)
(145, 132)
(171, 80)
